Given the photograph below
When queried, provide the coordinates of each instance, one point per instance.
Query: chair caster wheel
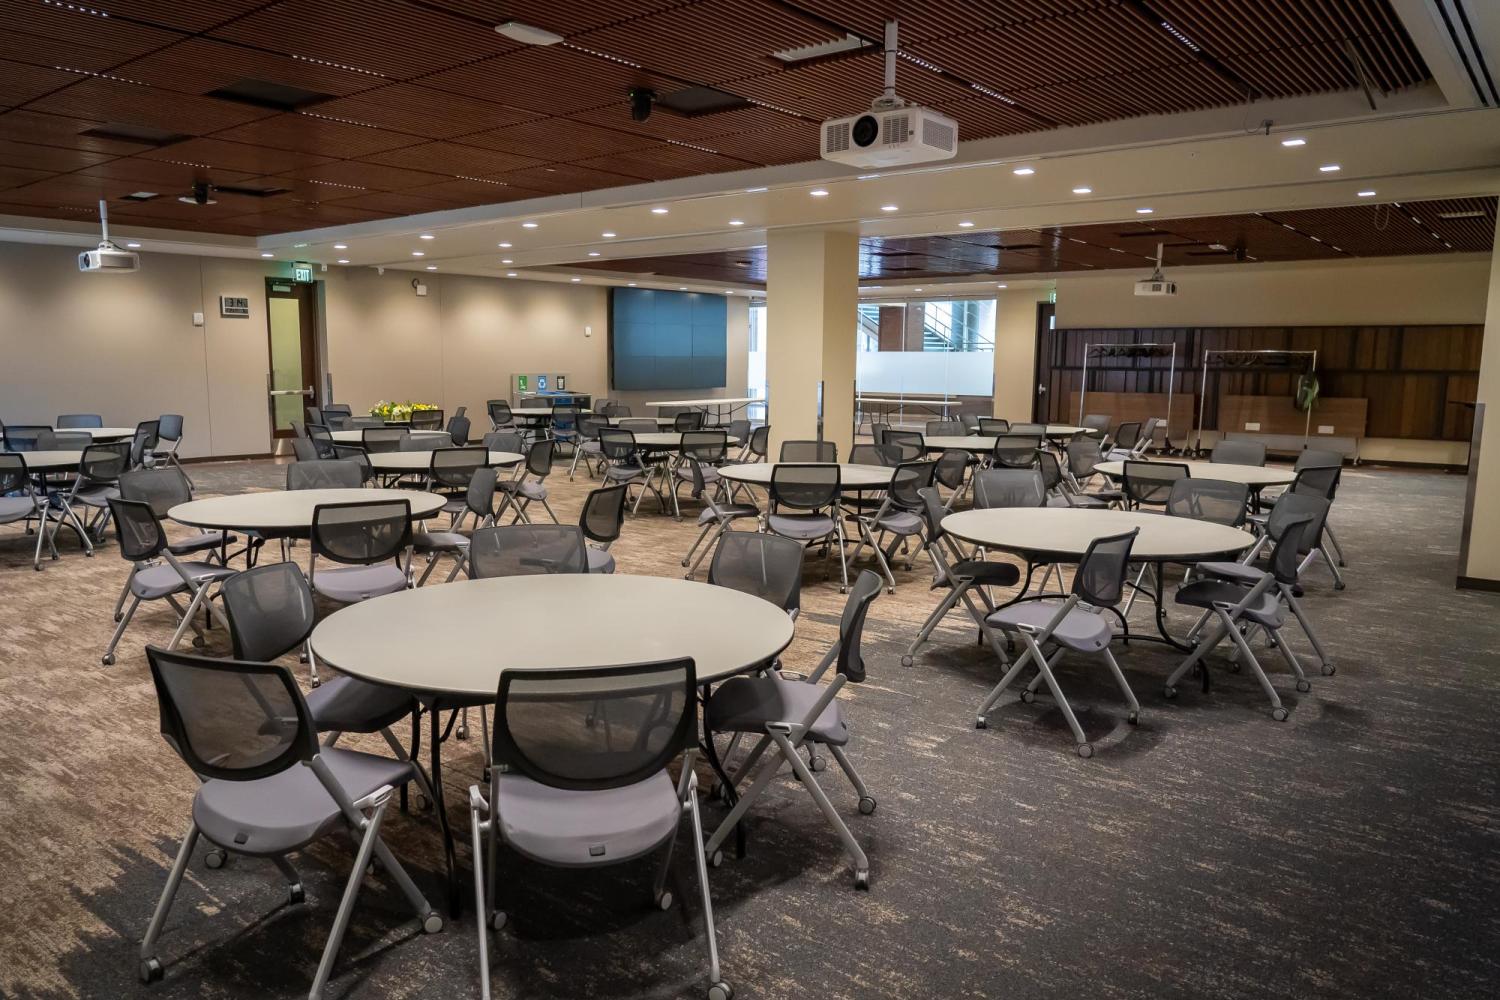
(1338, 586)
(1329, 670)
(1279, 714)
(664, 900)
(497, 920)
(1169, 692)
(1027, 697)
(461, 733)
(108, 659)
(296, 894)
(151, 970)
(1304, 686)
(198, 642)
(721, 991)
(117, 617)
(906, 660)
(1085, 750)
(817, 763)
(866, 805)
(215, 859)
(981, 723)
(1133, 718)
(716, 860)
(862, 880)
(432, 923)
(316, 682)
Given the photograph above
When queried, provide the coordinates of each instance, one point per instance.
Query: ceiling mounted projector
(108, 258)
(892, 133)
(1156, 285)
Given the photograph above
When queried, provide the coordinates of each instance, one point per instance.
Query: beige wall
(1484, 526)
(1015, 351)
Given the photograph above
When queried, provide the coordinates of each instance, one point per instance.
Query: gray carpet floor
(1351, 852)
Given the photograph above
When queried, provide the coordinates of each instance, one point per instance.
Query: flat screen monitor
(667, 340)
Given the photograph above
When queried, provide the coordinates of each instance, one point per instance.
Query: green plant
(388, 410)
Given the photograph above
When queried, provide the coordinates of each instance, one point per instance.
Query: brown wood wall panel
(1411, 375)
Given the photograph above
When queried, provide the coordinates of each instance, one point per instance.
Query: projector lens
(866, 130)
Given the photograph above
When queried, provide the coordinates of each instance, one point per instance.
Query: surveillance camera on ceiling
(892, 133)
(641, 101)
(202, 194)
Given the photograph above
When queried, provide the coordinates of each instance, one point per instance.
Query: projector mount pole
(104, 222)
(889, 100)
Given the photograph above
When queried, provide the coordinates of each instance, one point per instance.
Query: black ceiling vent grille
(250, 192)
(692, 102)
(143, 135)
(272, 96)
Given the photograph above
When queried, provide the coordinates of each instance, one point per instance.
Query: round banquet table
(1046, 535)
(660, 421)
(421, 461)
(357, 436)
(101, 434)
(459, 638)
(50, 461)
(1254, 476)
(851, 477)
(667, 439)
(283, 510)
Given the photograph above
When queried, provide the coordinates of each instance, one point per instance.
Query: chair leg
(694, 548)
(762, 779)
(109, 652)
(938, 614)
(1207, 643)
(810, 782)
(1290, 657)
(701, 857)
(1277, 711)
(1005, 682)
(483, 902)
(151, 967)
(847, 766)
(312, 665)
(1338, 549)
(351, 890)
(838, 527)
(1114, 668)
(418, 775)
(1323, 658)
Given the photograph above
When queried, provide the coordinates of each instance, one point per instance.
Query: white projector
(890, 137)
(1156, 285)
(110, 259)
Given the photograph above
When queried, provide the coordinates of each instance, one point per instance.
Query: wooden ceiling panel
(308, 215)
(16, 176)
(665, 162)
(433, 114)
(109, 100)
(23, 82)
(162, 176)
(983, 117)
(40, 50)
(560, 139)
(472, 191)
(52, 159)
(563, 178)
(58, 130)
(307, 133)
(398, 204)
(454, 159)
(844, 86)
(370, 176)
(179, 16)
(1167, 89)
(221, 154)
(664, 124)
(924, 19)
(564, 17)
(394, 39)
(549, 79)
(198, 65)
(85, 25)
(793, 141)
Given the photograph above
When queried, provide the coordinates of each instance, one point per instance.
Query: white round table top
(49, 461)
(1068, 430)
(1063, 533)
(660, 421)
(357, 436)
(282, 509)
(532, 411)
(100, 433)
(731, 401)
(668, 439)
(1247, 475)
(976, 443)
(759, 473)
(420, 461)
(458, 638)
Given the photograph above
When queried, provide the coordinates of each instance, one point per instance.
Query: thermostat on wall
(234, 306)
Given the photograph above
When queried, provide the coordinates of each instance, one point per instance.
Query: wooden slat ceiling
(1460, 225)
(418, 105)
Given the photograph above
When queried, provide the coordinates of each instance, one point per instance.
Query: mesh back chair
(67, 420)
(1319, 458)
(21, 438)
(969, 422)
(1038, 430)
(337, 420)
(458, 430)
(639, 425)
(910, 445)
(164, 488)
(959, 574)
(565, 423)
(314, 415)
(1210, 500)
(867, 454)
(1246, 598)
(322, 437)
(758, 447)
(575, 793)
(369, 539)
(878, 431)
(158, 575)
(1097, 422)
(989, 426)
(622, 461)
(705, 449)
(383, 439)
(305, 450)
(1080, 623)
(361, 423)
(1322, 482)
(952, 473)
(478, 503)
(169, 432)
(323, 474)
(1008, 488)
(427, 420)
(1084, 455)
(449, 471)
(717, 516)
(505, 441)
(343, 408)
(85, 505)
(1147, 440)
(764, 566)
(689, 421)
(271, 613)
(601, 521)
(898, 516)
(51, 440)
(945, 428)
(739, 433)
(1149, 484)
(785, 713)
(499, 413)
(19, 502)
(355, 454)
(519, 493)
(527, 550)
(1014, 450)
(1237, 452)
(586, 447)
(812, 492)
(144, 443)
(1127, 436)
(809, 451)
(269, 789)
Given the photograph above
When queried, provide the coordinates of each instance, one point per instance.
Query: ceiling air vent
(692, 102)
(272, 96)
(822, 50)
(250, 192)
(143, 135)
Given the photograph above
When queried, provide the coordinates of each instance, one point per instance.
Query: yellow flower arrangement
(387, 410)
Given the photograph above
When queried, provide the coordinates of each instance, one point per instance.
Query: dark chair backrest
(479, 498)
(911, 444)
(527, 550)
(1319, 480)
(545, 723)
(270, 611)
(343, 408)
(451, 468)
(851, 660)
(866, 454)
(692, 420)
(603, 515)
(1014, 450)
(970, 422)
(324, 474)
(952, 467)
(1100, 579)
(426, 420)
(618, 446)
(539, 458)
(945, 428)
(51, 440)
(1127, 434)
(1290, 506)
(102, 464)
(760, 443)
(1297, 537)
(13, 475)
(739, 430)
(1037, 430)
(162, 488)
(993, 425)
(505, 441)
(1318, 458)
(809, 451)
(1210, 500)
(458, 429)
(67, 420)
(1237, 452)
(767, 566)
(24, 437)
(308, 450)
(1050, 469)
(231, 720)
(708, 447)
(1150, 483)
(169, 426)
(499, 413)
(995, 488)
(804, 486)
(337, 420)
(383, 439)
(907, 480)
(355, 455)
(138, 529)
(1084, 453)
(146, 439)
(1096, 422)
(361, 533)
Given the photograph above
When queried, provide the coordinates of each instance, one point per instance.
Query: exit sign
(302, 273)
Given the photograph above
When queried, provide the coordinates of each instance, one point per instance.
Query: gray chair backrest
(270, 611)
(1008, 488)
(764, 565)
(1150, 483)
(79, 420)
(51, 440)
(603, 515)
(162, 488)
(1238, 452)
(527, 550)
(324, 474)
(1100, 578)
(169, 427)
(1319, 458)
(809, 451)
(1210, 500)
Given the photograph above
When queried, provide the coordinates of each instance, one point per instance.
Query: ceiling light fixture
(1144, 211)
(608, 236)
(575, 280)
(1289, 143)
(630, 284)
(432, 267)
(343, 260)
(736, 222)
(890, 208)
(268, 255)
(916, 289)
(504, 246)
(1329, 168)
(593, 253)
(660, 210)
(1024, 171)
(528, 225)
(682, 288)
(427, 236)
(819, 192)
(510, 274)
(506, 260)
(1001, 285)
(133, 246)
(756, 190)
(418, 253)
(527, 34)
(1367, 194)
(966, 224)
(341, 246)
(1083, 190)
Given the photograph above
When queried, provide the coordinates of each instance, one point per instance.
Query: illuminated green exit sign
(302, 272)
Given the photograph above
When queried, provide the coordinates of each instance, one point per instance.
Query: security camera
(641, 99)
(202, 194)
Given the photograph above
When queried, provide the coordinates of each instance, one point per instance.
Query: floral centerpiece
(398, 412)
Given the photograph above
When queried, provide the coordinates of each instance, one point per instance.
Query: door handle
(293, 392)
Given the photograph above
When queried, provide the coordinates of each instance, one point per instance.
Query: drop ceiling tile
(159, 175)
(560, 139)
(453, 159)
(421, 111)
(983, 117)
(23, 82)
(307, 133)
(846, 86)
(937, 18)
(563, 178)
(198, 65)
(552, 80)
(472, 191)
(372, 176)
(240, 156)
(59, 130)
(40, 50)
(665, 162)
(793, 141)
(564, 18)
(698, 129)
(50, 158)
(83, 24)
(400, 204)
(16, 176)
(179, 16)
(132, 104)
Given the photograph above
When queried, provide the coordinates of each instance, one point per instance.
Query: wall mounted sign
(234, 306)
(302, 273)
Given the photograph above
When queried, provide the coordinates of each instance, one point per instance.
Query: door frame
(1041, 375)
(306, 294)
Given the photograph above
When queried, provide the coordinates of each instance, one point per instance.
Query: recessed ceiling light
(528, 225)
(867, 177)
(510, 274)
(736, 222)
(608, 236)
(418, 253)
(1294, 142)
(427, 236)
(1367, 194)
(268, 255)
(298, 246)
(506, 260)
(505, 246)
(682, 288)
(343, 260)
(133, 246)
(819, 193)
(1024, 171)
(916, 289)
(890, 208)
(527, 34)
(1083, 190)
(630, 284)
(575, 279)
(1002, 285)
(756, 190)
(1144, 211)
(1329, 168)
(660, 210)
(593, 253)
(432, 267)
(966, 224)
(341, 246)
(729, 291)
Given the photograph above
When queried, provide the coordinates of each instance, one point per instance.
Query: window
(939, 347)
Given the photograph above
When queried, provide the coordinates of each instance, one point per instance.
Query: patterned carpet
(1353, 851)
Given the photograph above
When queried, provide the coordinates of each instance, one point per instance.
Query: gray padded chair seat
(600, 561)
(1229, 571)
(15, 508)
(710, 474)
(1267, 610)
(359, 583)
(986, 573)
(155, 582)
(728, 511)
(561, 826)
(801, 526)
(749, 704)
(96, 496)
(350, 705)
(202, 542)
(902, 522)
(530, 489)
(1081, 630)
(287, 810)
(439, 541)
(1085, 501)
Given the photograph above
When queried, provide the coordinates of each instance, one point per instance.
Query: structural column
(1479, 559)
(1015, 351)
(812, 302)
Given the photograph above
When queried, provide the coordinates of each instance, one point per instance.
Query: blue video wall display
(667, 340)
